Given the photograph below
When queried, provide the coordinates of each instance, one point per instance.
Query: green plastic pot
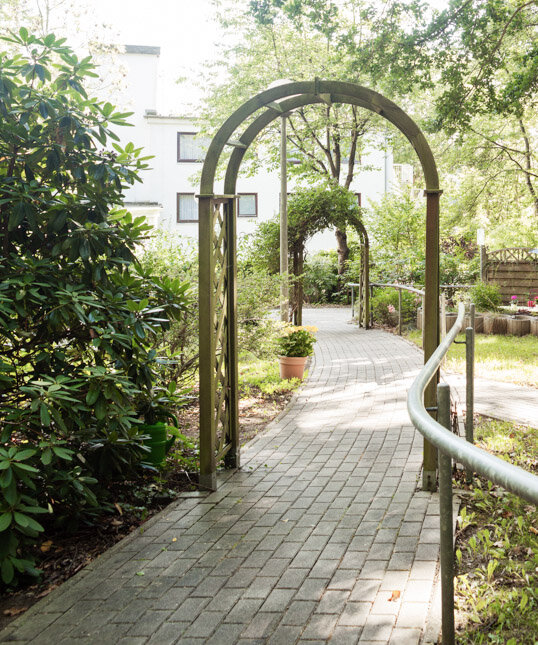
(158, 442)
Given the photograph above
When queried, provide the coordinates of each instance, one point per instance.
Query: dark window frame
(178, 219)
(179, 159)
(256, 202)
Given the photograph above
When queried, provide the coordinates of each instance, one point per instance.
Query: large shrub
(79, 320)
(320, 278)
(396, 226)
(486, 297)
(257, 294)
(176, 258)
(385, 306)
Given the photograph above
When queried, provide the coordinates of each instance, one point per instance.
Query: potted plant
(157, 431)
(296, 344)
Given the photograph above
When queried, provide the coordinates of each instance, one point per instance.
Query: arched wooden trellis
(219, 427)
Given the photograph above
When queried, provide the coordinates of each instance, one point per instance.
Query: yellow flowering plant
(297, 341)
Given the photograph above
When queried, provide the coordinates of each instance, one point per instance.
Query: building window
(187, 208)
(403, 174)
(191, 147)
(248, 205)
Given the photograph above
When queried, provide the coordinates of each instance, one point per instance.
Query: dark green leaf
(7, 571)
(63, 453)
(5, 521)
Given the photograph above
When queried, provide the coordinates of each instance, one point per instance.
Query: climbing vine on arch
(310, 211)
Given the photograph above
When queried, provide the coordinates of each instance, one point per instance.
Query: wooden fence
(515, 270)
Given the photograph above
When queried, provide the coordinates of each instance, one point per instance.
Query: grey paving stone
(244, 611)
(260, 587)
(261, 625)
(149, 622)
(412, 614)
(292, 578)
(278, 600)
(227, 633)
(365, 590)
(355, 613)
(401, 636)
(204, 625)
(285, 635)
(167, 634)
(320, 626)
(298, 612)
(332, 602)
(189, 609)
(312, 588)
(377, 628)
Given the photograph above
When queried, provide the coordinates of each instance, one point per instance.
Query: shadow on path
(321, 537)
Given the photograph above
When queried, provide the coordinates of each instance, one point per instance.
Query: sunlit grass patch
(502, 358)
(263, 374)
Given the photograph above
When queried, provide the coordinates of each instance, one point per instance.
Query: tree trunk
(343, 250)
(528, 166)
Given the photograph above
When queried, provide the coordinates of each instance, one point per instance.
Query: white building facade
(167, 194)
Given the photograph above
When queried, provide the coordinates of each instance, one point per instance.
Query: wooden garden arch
(296, 300)
(219, 425)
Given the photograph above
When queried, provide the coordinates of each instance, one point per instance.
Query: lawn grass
(263, 374)
(502, 358)
(496, 586)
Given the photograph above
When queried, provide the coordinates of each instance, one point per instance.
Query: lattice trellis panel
(522, 254)
(221, 330)
(218, 351)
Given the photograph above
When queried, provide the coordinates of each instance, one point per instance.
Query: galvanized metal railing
(451, 447)
(400, 288)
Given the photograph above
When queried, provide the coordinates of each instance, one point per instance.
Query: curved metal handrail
(513, 478)
(420, 292)
(405, 287)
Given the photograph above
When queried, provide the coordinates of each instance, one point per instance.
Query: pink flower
(391, 309)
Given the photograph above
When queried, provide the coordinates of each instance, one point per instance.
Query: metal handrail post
(399, 312)
(361, 297)
(469, 385)
(352, 301)
(423, 319)
(369, 307)
(445, 516)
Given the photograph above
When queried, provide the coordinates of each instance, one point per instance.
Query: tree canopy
(467, 74)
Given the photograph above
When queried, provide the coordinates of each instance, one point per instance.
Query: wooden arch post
(219, 427)
(364, 289)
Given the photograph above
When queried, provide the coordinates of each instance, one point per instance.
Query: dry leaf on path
(395, 595)
(46, 591)
(15, 611)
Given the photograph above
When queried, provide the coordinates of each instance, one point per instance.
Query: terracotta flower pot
(292, 366)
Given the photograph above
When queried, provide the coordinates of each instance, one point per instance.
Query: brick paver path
(311, 542)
